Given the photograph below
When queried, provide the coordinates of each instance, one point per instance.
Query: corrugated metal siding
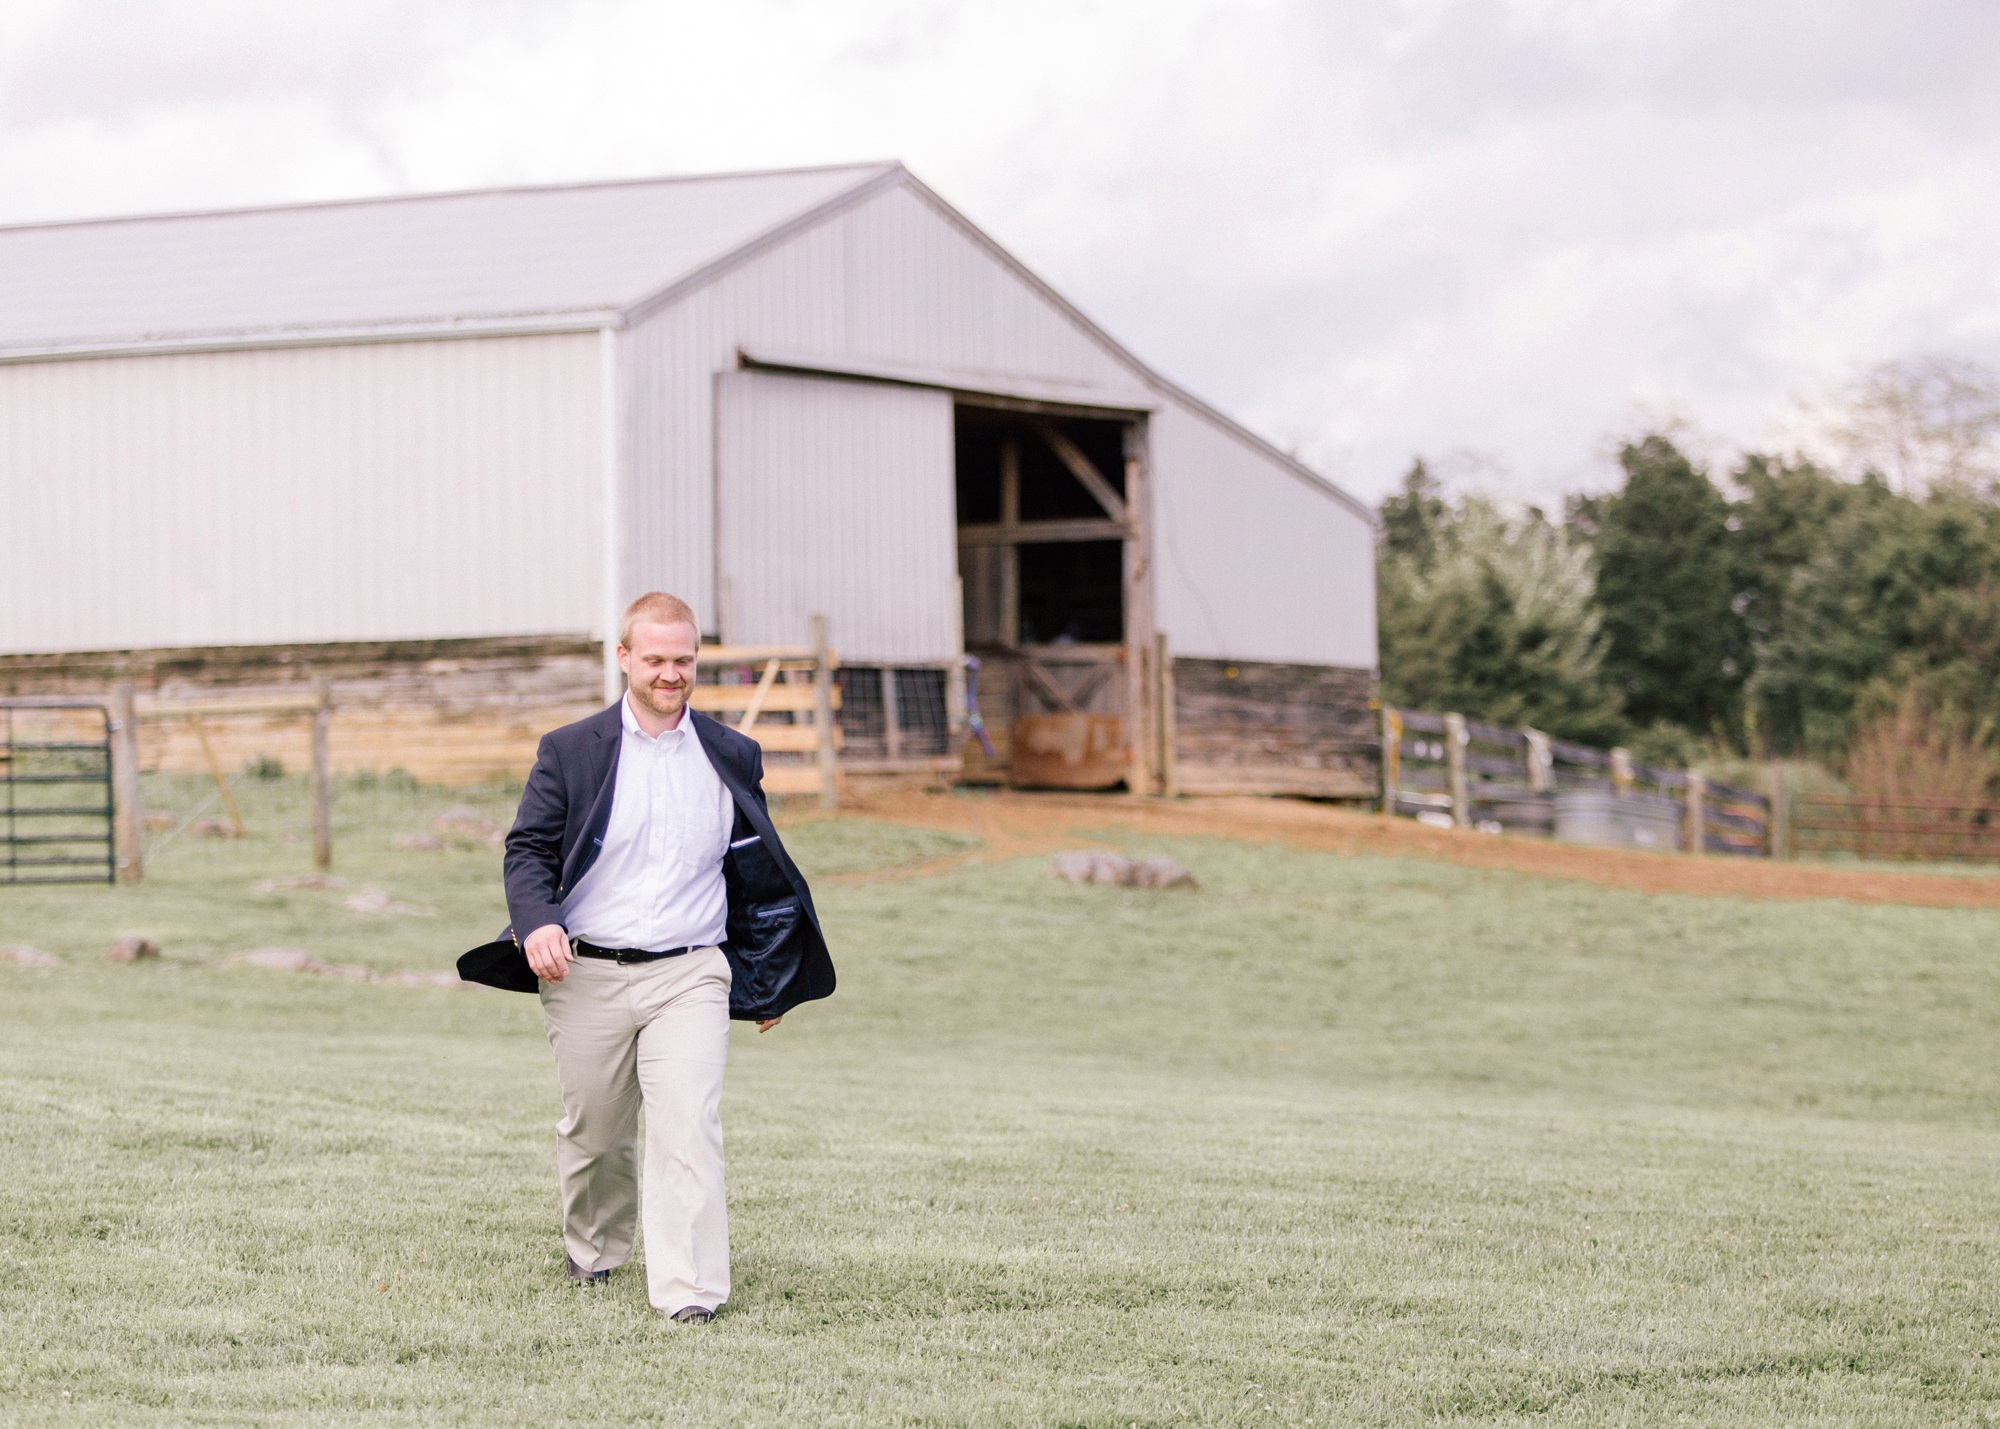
(837, 498)
(671, 361)
(1252, 563)
(919, 291)
(389, 491)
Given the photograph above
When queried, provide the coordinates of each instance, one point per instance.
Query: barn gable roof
(464, 261)
(548, 258)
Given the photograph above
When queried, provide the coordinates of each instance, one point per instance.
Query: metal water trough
(1598, 816)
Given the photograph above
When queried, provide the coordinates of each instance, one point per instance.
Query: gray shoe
(693, 1315)
(582, 1276)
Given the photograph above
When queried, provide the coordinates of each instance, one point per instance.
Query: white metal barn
(341, 435)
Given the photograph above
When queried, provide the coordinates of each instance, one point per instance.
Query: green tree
(1494, 619)
(1413, 521)
(1904, 595)
(1675, 642)
(1781, 525)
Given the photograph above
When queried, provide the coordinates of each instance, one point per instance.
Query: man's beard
(660, 699)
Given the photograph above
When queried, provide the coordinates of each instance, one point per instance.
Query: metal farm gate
(56, 804)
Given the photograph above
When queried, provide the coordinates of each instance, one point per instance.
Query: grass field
(1331, 1140)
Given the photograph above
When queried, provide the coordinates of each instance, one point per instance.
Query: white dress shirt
(657, 882)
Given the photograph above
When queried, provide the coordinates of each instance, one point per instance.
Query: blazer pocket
(766, 953)
(750, 871)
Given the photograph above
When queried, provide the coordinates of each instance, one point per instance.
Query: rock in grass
(408, 979)
(286, 960)
(376, 901)
(349, 970)
(299, 880)
(296, 960)
(1095, 866)
(463, 824)
(30, 957)
(131, 950)
(1091, 866)
(1162, 873)
(460, 826)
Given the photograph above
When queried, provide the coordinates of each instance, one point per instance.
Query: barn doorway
(1045, 555)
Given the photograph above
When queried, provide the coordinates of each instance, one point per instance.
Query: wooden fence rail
(793, 681)
(199, 715)
(1444, 767)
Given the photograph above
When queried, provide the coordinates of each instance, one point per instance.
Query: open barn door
(1050, 535)
(836, 497)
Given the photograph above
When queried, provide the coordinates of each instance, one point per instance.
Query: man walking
(653, 901)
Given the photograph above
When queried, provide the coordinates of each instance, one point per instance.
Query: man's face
(659, 666)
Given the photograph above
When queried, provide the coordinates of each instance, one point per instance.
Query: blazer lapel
(732, 775)
(609, 727)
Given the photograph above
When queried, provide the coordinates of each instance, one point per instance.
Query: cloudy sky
(1501, 233)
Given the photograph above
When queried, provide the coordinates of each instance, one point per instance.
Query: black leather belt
(623, 955)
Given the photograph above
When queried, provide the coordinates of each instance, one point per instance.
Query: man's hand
(768, 1023)
(548, 952)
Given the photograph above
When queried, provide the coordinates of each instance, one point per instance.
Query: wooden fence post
(1541, 761)
(322, 819)
(829, 776)
(1142, 720)
(128, 828)
(956, 715)
(892, 717)
(1778, 829)
(1169, 721)
(1392, 756)
(1697, 812)
(1455, 740)
(1621, 771)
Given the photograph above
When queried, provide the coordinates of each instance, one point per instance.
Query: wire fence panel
(922, 723)
(1909, 827)
(922, 715)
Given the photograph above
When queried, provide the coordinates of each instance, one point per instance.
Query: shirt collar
(631, 722)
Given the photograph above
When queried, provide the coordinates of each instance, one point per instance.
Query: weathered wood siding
(1247, 727)
(447, 711)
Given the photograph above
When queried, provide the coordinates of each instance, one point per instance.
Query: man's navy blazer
(776, 952)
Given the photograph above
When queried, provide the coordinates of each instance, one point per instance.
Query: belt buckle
(627, 956)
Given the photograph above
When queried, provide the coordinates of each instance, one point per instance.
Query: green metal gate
(57, 821)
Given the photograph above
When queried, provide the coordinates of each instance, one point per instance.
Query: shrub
(1921, 748)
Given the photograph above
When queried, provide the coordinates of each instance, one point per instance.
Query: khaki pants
(655, 1034)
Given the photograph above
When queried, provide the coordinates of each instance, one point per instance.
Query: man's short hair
(658, 608)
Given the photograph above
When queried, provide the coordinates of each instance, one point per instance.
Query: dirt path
(1013, 825)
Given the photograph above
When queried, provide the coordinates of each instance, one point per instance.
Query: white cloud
(1370, 228)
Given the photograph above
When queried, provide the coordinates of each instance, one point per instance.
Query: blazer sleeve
(533, 865)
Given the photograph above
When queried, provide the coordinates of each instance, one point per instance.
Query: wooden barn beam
(1142, 776)
(1079, 466)
(1034, 532)
(1010, 559)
